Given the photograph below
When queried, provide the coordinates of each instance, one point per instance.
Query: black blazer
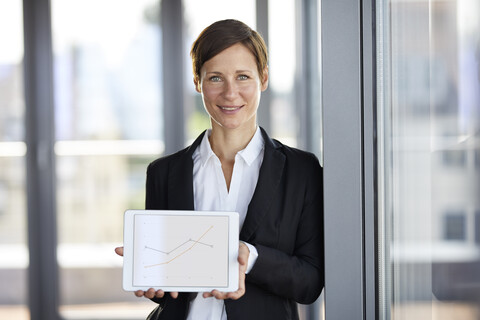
(284, 222)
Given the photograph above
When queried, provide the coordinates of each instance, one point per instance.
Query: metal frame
(307, 82)
(40, 137)
(262, 21)
(173, 92)
(349, 166)
(370, 177)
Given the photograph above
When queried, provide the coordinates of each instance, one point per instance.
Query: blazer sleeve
(156, 185)
(295, 272)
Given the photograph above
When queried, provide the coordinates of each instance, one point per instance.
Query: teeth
(229, 109)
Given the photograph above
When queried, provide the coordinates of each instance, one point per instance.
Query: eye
(215, 79)
(243, 77)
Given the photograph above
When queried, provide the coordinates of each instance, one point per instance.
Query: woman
(235, 166)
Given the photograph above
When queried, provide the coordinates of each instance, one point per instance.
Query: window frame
(43, 287)
(349, 121)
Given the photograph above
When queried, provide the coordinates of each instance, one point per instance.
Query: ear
(197, 84)
(264, 84)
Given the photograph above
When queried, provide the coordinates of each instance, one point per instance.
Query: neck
(226, 143)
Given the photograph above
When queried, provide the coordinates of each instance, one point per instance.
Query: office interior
(385, 92)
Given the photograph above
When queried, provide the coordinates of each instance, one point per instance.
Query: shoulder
(182, 157)
(297, 159)
(166, 165)
(291, 154)
(168, 159)
(295, 153)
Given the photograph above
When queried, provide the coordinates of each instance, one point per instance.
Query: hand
(243, 254)
(150, 293)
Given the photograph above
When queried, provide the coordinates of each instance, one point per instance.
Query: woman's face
(231, 87)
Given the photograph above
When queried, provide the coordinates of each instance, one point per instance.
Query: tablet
(192, 251)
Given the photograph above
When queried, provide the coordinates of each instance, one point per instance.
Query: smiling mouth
(230, 108)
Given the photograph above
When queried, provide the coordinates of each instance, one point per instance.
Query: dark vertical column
(266, 101)
(40, 136)
(370, 176)
(173, 73)
(307, 84)
(342, 96)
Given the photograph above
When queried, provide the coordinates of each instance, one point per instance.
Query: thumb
(243, 254)
(119, 251)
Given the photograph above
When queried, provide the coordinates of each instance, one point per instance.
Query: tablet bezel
(128, 252)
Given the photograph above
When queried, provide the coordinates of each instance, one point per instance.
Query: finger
(243, 254)
(207, 294)
(242, 265)
(241, 286)
(150, 293)
(119, 251)
(139, 293)
(174, 295)
(237, 294)
(243, 248)
(219, 295)
(159, 294)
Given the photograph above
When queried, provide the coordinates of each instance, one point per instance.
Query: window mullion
(40, 135)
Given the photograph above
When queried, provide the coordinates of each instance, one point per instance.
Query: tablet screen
(181, 250)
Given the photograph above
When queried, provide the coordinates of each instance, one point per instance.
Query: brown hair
(223, 34)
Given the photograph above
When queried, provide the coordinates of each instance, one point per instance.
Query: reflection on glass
(13, 238)
(429, 125)
(108, 118)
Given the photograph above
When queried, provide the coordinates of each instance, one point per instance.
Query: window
(428, 85)
(477, 158)
(454, 158)
(13, 224)
(106, 134)
(477, 226)
(455, 226)
(284, 115)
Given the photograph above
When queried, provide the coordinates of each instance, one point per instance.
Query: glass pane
(198, 16)
(282, 70)
(13, 237)
(107, 71)
(108, 128)
(429, 140)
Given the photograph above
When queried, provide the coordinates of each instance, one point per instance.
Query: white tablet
(192, 251)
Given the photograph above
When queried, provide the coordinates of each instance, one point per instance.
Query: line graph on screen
(195, 242)
(180, 250)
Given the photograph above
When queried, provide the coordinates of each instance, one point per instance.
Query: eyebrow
(237, 71)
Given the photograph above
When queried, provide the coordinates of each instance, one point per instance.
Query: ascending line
(168, 252)
(182, 253)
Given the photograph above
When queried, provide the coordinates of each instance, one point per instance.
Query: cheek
(250, 92)
(211, 92)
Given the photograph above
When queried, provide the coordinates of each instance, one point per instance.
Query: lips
(230, 108)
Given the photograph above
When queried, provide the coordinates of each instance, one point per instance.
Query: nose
(230, 90)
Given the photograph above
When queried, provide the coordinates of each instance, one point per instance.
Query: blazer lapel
(269, 178)
(180, 177)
